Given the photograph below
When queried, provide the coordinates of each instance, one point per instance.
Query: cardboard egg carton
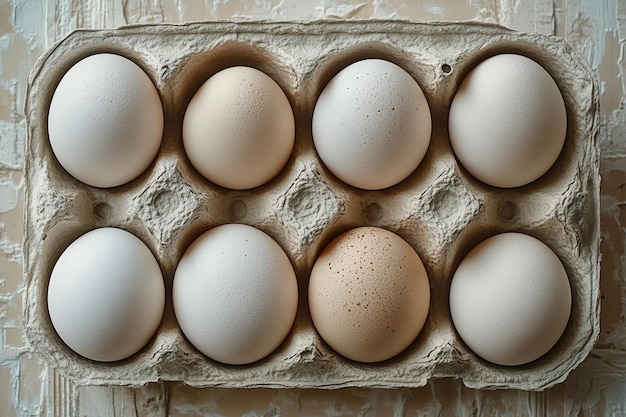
(440, 209)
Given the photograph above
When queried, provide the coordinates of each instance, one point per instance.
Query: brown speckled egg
(369, 294)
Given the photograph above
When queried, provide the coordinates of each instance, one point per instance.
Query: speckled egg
(372, 124)
(369, 294)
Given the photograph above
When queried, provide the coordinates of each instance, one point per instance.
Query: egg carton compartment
(440, 209)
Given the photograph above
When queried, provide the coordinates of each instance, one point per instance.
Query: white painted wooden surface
(597, 388)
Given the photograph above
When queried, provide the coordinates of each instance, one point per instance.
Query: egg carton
(440, 209)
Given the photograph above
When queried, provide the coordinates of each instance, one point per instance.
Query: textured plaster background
(597, 388)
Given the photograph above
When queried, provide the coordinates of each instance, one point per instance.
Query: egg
(369, 294)
(235, 294)
(106, 295)
(371, 124)
(507, 121)
(510, 299)
(239, 128)
(105, 121)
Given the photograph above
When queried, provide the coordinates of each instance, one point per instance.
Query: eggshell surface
(369, 294)
(372, 124)
(235, 294)
(239, 128)
(507, 121)
(106, 121)
(106, 295)
(510, 299)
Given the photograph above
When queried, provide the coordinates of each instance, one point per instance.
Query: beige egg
(239, 128)
(369, 294)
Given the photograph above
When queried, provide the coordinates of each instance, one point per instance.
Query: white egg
(510, 299)
(106, 295)
(372, 124)
(105, 121)
(235, 294)
(239, 129)
(507, 121)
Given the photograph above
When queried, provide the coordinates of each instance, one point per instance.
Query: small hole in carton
(238, 209)
(508, 211)
(102, 210)
(373, 212)
(447, 69)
